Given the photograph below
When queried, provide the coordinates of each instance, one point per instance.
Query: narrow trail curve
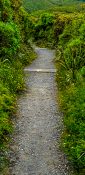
(39, 123)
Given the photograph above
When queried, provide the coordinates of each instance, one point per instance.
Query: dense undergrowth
(15, 53)
(71, 80)
(66, 33)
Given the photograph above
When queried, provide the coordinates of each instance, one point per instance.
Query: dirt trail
(39, 123)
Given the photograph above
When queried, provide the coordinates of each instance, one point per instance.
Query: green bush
(73, 103)
(7, 103)
(26, 25)
(74, 55)
(26, 54)
(43, 29)
(12, 75)
(82, 32)
(70, 63)
(10, 39)
(5, 10)
(6, 108)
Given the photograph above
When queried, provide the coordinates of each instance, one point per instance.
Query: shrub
(43, 29)
(6, 12)
(12, 76)
(6, 107)
(10, 39)
(71, 82)
(74, 111)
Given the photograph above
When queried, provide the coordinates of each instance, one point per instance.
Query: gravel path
(36, 142)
